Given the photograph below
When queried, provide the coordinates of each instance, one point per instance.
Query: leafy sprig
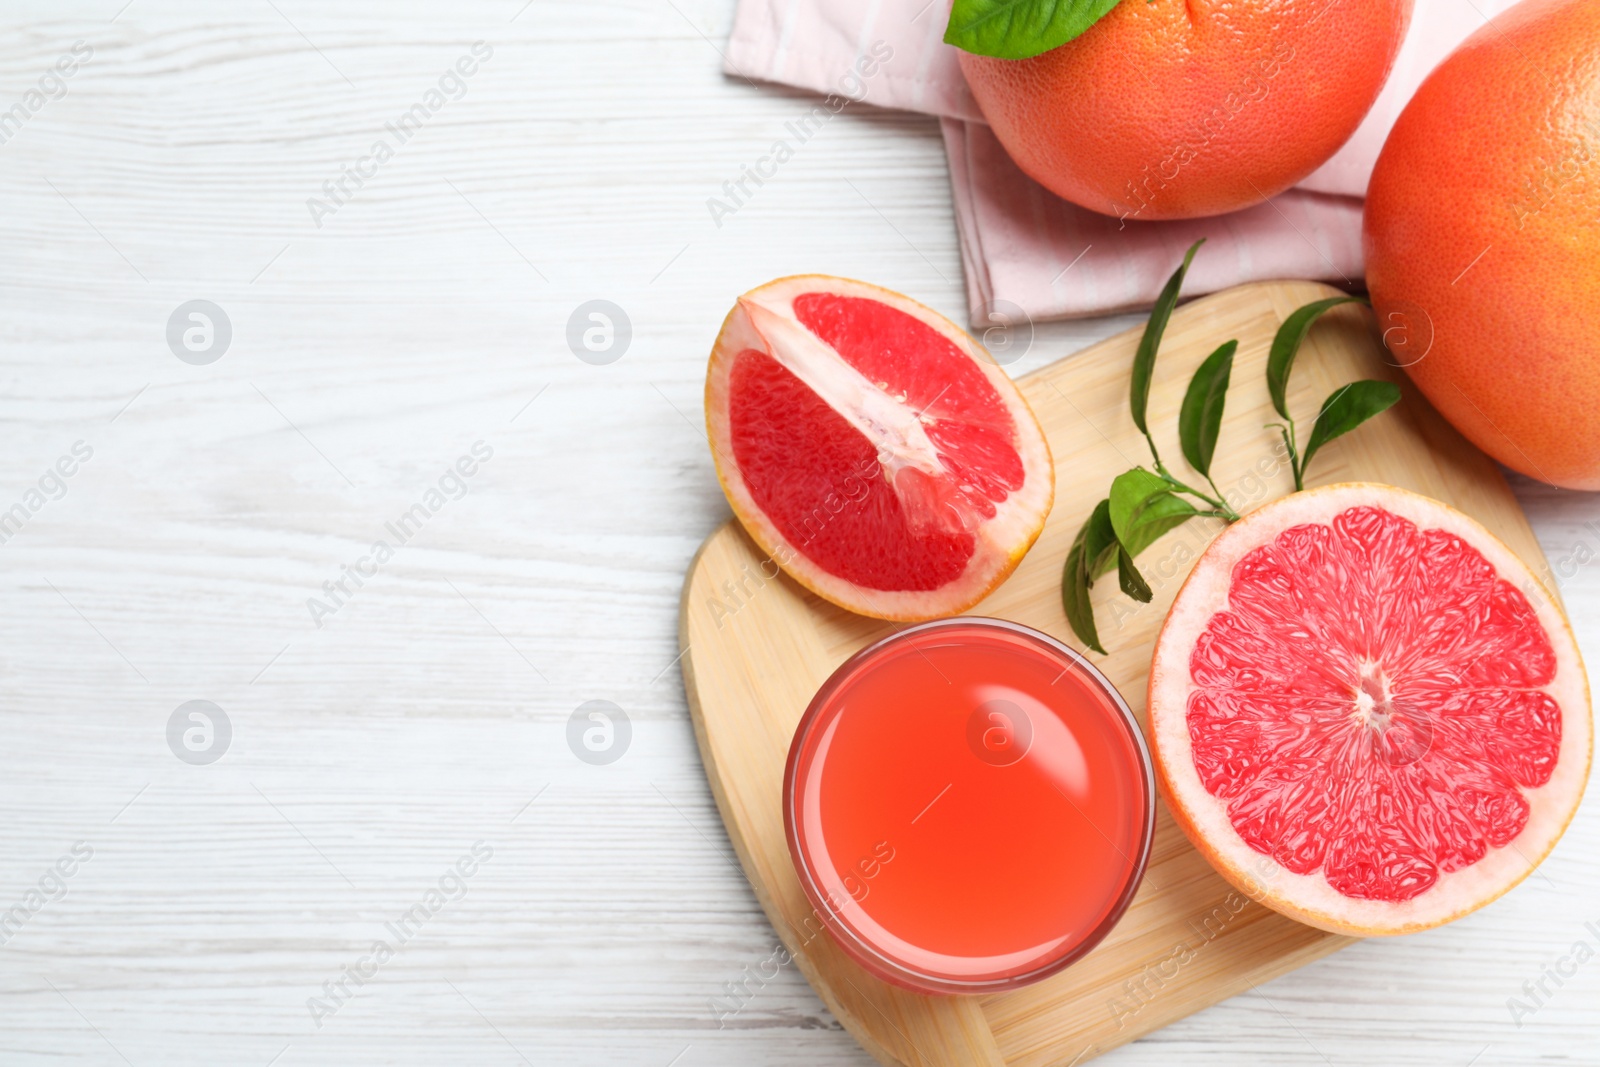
(1345, 408)
(1144, 505)
(1144, 365)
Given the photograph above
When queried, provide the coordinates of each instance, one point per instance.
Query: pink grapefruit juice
(969, 806)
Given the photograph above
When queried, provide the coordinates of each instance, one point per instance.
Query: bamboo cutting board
(756, 649)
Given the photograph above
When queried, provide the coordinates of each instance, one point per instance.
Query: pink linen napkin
(1021, 246)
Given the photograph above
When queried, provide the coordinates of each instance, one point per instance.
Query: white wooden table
(376, 739)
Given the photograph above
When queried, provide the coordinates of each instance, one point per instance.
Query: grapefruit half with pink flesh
(1367, 712)
(872, 449)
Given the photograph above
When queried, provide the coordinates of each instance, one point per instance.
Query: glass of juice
(969, 805)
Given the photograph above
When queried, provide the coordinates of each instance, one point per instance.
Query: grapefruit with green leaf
(1169, 109)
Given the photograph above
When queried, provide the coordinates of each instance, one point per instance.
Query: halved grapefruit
(1367, 712)
(872, 449)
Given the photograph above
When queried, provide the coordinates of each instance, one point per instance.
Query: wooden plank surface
(612, 918)
(755, 653)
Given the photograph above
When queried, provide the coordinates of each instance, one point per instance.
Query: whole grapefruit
(1482, 238)
(1169, 109)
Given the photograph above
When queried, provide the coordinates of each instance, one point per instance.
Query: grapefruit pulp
(1367, 712)
(872, 449)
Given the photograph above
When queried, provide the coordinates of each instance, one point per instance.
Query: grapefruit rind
(1308, 897)
(1002, 541)
(1490, 167)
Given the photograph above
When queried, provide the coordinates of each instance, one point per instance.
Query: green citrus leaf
(1200, 418)
(1075, 590)
(1286, 345)
(1143, 508)
(1130, 579)
(1100, 541)
(1128, 491)
(1144, 360)
(1020, 29)
(1155, 517)
(1346, 408)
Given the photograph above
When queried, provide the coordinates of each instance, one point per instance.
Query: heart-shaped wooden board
(756, 649)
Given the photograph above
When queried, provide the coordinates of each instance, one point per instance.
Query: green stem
(1216, 502)
(1217, 491)
(1294, 454)
(1151, 441)
(1218, 505)
(1294, 458)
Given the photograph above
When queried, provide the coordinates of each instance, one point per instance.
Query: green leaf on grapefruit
(1020, 29)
